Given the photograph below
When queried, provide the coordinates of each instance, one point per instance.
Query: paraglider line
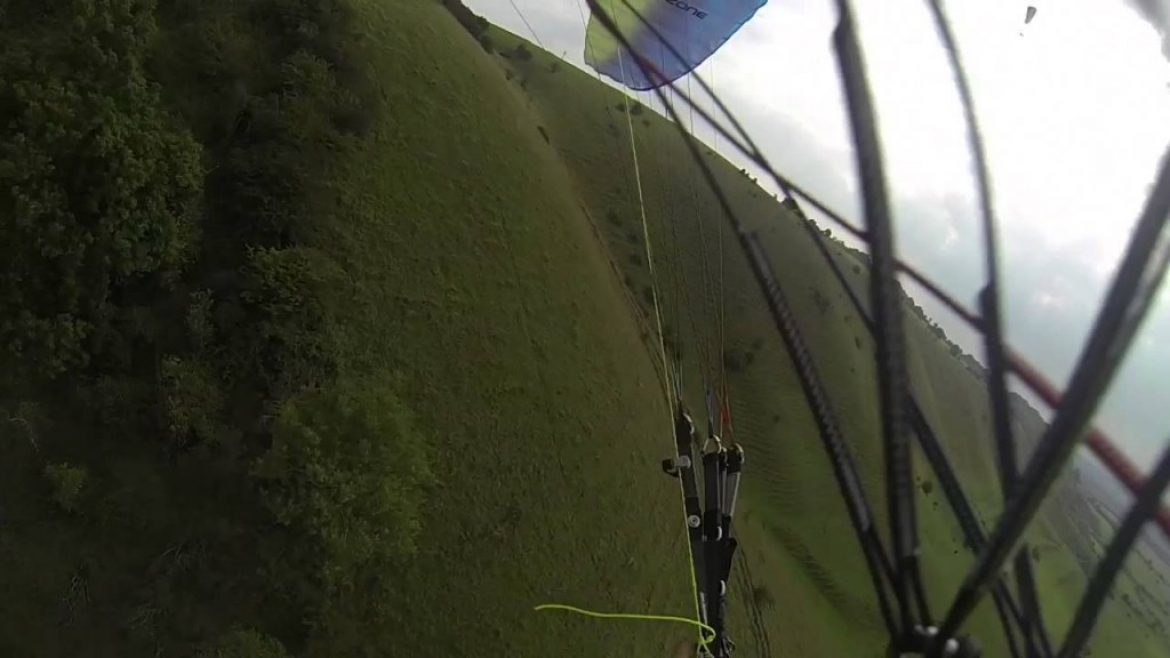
(526, 23)
(1097, 442)
(993, 342)
(646, 242)
(1142, 268)
(860, 515)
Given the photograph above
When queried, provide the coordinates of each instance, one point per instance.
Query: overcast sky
(1075, 108)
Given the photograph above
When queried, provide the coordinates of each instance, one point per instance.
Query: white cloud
(1074, 109)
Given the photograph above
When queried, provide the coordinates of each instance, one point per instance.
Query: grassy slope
(798, 544)
(798, 540)
(491, 299)
(472, 277)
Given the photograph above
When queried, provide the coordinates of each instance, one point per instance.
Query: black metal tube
(1006, 607)
(887, 308)
(684, 430)
(1126, 305)
(840, 459)
(735, 458)
(713, 467)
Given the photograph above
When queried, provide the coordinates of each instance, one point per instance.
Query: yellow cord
(706, 633)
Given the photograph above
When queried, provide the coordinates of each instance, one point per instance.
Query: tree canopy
(99, 185)
(348, 468)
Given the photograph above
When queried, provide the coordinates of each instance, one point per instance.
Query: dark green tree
(192, 403)
(288, 343)
(67, 483)
(349, 469)
(98, 187)
(243, 643)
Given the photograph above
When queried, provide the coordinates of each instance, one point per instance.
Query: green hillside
(799, 547)
(414, 406)
(325, 331)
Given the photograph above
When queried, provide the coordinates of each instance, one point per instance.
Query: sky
(1075, 110)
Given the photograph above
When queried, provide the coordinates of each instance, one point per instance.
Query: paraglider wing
(1029, 15)
(693, 28)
